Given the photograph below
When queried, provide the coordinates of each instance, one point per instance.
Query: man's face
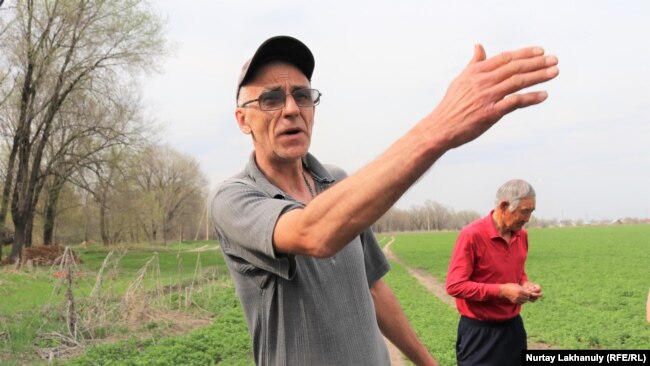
(282, 135)
(515, 220)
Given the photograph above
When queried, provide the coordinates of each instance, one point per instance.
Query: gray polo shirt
(300, 310)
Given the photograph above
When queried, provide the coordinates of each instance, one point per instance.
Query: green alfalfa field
(595, 282)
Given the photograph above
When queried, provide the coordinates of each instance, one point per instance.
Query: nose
(290, 106)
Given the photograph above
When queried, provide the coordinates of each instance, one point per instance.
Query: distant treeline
(434, 216)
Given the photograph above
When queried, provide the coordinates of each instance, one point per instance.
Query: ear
(240, 116)
(503, 205)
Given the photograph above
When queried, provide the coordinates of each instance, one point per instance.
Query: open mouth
(291, 131)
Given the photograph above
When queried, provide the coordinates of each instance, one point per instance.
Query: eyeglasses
(276, 99)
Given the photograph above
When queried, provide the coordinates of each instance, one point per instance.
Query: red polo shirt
(481, 261)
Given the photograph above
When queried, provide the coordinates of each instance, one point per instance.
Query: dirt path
(428, 281)
(396, 357)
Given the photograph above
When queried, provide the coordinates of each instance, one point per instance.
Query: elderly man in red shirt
(487, 277)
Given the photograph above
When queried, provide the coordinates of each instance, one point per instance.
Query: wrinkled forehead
(527, 203)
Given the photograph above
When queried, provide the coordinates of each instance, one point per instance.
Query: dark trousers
(481, 343)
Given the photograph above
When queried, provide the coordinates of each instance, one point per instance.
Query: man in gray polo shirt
(296, 233)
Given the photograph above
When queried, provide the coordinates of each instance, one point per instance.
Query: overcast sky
(383, 65)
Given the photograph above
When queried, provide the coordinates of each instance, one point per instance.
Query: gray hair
(513, 191)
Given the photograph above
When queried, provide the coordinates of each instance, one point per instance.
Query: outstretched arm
(482, 94)
(396, 327)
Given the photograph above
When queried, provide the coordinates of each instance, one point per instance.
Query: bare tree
(463, 218)
(439, 215)
(6, 133)
(90, 126)
(168, 182)
(110, 192)
(6, 174)
(432, 216)
(62, 48)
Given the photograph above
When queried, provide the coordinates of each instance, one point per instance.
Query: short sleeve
(244, 218)
(375, 260)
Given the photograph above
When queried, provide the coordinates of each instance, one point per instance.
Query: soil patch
(43, 255)
(396, 358)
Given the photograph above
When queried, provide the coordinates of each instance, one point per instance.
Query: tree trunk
(48, 225)
(103, 225)
(6, 192)
(86, 233)
(28, 231)
(22, 145)
(50, 209)
(17, 246)
(165, 230)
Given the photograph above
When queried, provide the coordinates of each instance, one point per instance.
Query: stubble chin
(293, 153)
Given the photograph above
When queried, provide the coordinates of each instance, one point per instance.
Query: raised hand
(488, 89)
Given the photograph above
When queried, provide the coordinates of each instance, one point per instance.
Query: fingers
(529, 294)
(479, 54)
(515, 293)
(532, 286)
(488, 89)
(507, 57)
(525, 68)
(513, 81)
(535, 297)
(535, 292)
(513, 71)
(516, 101)
(518, 82)
(519, 77)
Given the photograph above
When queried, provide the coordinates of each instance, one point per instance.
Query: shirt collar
(492, 230)
(318, 170)
(319, 173)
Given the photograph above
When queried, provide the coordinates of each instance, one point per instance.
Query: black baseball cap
(278, 48)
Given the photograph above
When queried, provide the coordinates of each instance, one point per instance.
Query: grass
(26, 289)
(32, 310)
(433, 321)
(596, 285)
(224, 342)
(19, 290)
